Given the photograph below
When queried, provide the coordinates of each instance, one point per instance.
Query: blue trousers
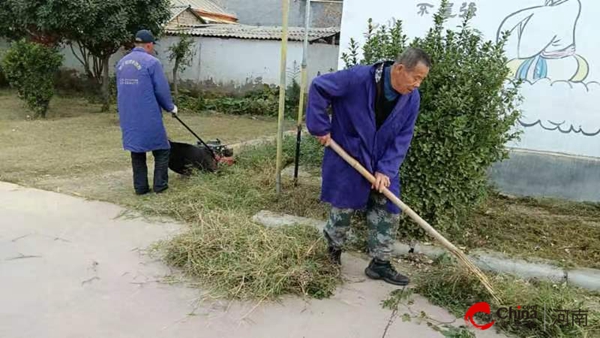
(140, 171)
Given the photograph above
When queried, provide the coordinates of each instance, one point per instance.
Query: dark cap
(144, 36)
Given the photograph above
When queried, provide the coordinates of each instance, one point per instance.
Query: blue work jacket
(142, 92)
(352, 94)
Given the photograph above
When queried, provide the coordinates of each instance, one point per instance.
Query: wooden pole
(282, 85)
(303, 87)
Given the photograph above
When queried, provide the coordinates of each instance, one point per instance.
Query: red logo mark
(473, 310)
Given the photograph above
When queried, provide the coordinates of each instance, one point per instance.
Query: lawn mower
(186, 158)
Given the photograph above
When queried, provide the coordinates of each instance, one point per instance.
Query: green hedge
(468, 109)
(259, 102)
(31, 68)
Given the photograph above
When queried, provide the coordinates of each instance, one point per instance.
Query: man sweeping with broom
(374, 112)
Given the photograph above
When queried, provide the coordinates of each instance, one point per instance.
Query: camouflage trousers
(381, 223)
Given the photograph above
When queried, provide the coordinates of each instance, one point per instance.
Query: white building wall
(230, 62)
(561, 113)
(237, 62)
(322, 58)
(70, 61)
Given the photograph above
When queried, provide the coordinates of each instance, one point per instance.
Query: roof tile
(255, 32)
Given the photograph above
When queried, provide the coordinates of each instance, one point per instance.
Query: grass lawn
(78, 150)
(454, 289)
(563, 231)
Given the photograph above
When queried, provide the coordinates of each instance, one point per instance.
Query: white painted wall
(71, 62)
(322, 58)
(237, 61)
(560, 106)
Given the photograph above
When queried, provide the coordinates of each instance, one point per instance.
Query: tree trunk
(84, 59)
(105, 85)
(44, 109)
(98, 71)
(175, 81)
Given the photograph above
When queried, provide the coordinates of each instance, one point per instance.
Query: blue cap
(144, 36)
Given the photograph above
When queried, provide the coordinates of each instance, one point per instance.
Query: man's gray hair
(411, 57)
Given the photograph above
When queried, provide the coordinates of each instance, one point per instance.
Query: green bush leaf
(30, 68)
(468, 109)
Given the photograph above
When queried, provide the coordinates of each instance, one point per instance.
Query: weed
(451, 287)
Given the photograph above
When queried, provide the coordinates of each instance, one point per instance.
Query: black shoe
(161, 190)
(142, 192)
(335, 253)
(378, 269)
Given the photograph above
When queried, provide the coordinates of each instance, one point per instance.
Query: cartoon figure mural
(552, 48)
(542, 43)
(542, 49)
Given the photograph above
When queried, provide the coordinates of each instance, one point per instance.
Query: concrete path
(71, 268)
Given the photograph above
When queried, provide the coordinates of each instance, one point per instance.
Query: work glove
(174, 111)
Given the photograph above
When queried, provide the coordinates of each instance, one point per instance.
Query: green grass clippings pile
(246, 187)
(449, 286)
(244, 260)
(230, 254)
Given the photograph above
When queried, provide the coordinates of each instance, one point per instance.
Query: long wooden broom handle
(407, 210)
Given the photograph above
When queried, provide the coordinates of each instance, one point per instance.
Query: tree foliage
(468, 110)
(110, 25)
(182, 53)
(98, 28)
(42, 21)
(6, 29)
(30, 67)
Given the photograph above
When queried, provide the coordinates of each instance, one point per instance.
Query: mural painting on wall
(545, 47)
(542, 50)
(551, 49)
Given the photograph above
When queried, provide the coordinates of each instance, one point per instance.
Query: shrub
(466, 116)
(31, 69)
(261, 102)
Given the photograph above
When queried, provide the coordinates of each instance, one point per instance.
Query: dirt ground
(561, 231)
